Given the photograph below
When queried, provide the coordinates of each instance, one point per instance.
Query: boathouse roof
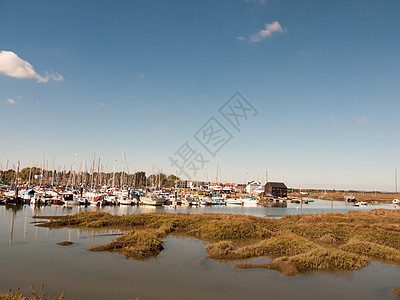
(280, 185)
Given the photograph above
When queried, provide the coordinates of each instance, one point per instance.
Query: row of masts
(72, 177)
(98, 175)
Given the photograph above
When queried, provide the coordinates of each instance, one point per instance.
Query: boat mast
(83, 178)
(16, 181)
(98, 173)
(159, 179)
(30, 173)
(113, 179)
(47, 173)
(6, 170)
(216, 177)
(74, 171)
(147, 172)
(92, 171)
(395, 176)
(134, 180)
(42, 175)
(123, 169)
(52, 173)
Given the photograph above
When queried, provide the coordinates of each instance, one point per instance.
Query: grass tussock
(298, 243)
(65, 243)
(285, 244)
(328, 238)
(372, 250)
(326, 259)
(397, 292)
(140, 244)
(316, 259)
(222, 249)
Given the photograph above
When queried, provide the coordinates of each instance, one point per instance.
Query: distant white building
(253, 187)
(187, 184)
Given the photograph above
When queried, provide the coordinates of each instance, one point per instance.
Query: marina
(25, 199)
(196, 150)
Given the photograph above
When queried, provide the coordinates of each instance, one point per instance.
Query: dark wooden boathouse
(276, 189)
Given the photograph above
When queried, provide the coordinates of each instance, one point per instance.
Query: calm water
(30, 255)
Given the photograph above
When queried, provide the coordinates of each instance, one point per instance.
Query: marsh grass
(284, 244)
(372, 250)
(33, 294)
(298, 243)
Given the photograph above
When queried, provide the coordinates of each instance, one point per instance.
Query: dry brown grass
(297, 243)
(33, 294)
(372, 197)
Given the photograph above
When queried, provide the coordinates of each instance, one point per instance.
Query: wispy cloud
(267, 32)
(362, 120)
(13, 66)
(261, 2)
(54, 76)
(240, 38)
(11, 101)
(333, 120)
(101, 104)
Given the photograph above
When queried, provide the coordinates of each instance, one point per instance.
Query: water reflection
(12, 227)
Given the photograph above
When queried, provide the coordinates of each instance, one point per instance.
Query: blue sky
(146, 75)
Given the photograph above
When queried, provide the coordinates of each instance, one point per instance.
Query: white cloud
(37, 102)
(11, 101)
(362, 120)
(264, 33)
(240, 38)
(101, 104)
(333, 120)
(13, 66)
